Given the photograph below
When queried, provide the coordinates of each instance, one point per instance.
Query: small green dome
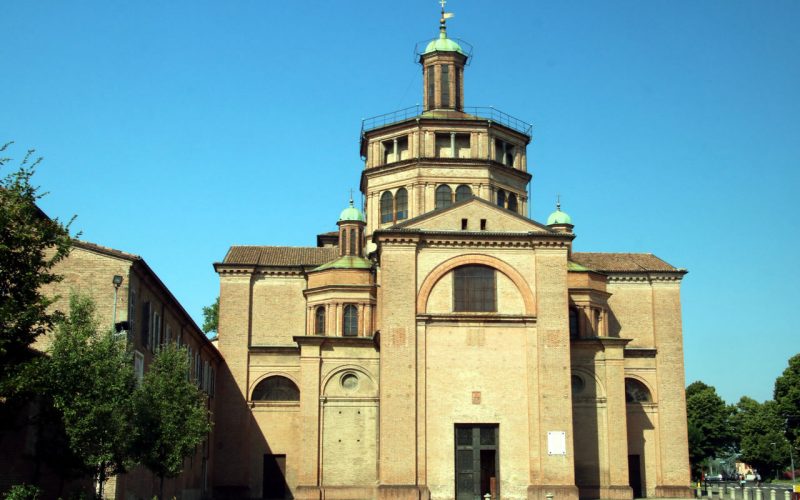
(351, 213)
(559, 217)
(443, 44)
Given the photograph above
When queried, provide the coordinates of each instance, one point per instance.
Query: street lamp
(117, 281)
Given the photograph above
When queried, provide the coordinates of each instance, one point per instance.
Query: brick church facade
(443, 345)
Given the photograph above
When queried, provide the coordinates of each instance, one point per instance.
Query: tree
(709, 423)
(787, 397)
(759, 428)
(30, 245)
(89, 376)
(211, 317)
(171, 418)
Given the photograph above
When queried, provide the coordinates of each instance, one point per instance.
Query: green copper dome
(351, 213)
(443, 44)
(559, 217)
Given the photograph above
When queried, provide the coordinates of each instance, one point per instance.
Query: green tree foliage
(30, 245)
(211, 317)
(759, 427)
(171, 418)
(787, 396)
(708, 423)
(89, 376)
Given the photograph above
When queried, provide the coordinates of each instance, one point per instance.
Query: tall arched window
(401, 204)
(350, 321)
(574, 325)
(512, 202)
(386, 207)
(463, 192)
(319, 320)
(352, 239)
(474, 289)
(501, 198)
(444, 196)
(276, 388)
(636, 392)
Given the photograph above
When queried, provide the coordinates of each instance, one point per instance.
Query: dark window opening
(350, 325)
(386, 207)
(463, 192)
(401, 203)
(463, 224)
(474, 289)
(319, 321)
(352, 242)
(512, 202)
(276, 388)
(483, 224)
(444, 196)
(445, 85)
(574, 324)
(431, 87)
(501, 198)
(636, 392)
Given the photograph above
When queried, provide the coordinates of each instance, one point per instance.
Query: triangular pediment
(474, 210)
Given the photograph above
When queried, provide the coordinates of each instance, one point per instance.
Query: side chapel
(443, 345)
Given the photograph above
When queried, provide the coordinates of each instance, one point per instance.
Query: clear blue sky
(176, 129)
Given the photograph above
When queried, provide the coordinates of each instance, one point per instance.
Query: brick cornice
(646, 276)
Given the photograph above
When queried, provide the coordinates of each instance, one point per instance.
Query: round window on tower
(349, 381)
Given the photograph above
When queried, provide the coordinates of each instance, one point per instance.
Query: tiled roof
(621, 262)
(105, 250)
(280, 256)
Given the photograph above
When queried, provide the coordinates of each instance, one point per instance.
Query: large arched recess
(485, 260)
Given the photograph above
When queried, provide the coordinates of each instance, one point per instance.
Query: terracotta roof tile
(280, 256)
(621, 262)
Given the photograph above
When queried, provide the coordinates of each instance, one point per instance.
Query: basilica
(443, 345)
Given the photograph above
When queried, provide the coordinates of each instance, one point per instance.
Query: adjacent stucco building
(442, 344)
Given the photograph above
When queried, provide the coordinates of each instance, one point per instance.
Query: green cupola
(351, 213)
(560, 221)
(443, 62)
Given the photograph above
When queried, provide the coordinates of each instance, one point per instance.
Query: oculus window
(474, 289)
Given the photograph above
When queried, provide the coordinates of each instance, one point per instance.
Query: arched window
(401, 203)
(352, 241)
(276, 388)
(444, 196)
(512, 202)
(636, 392)
(574, 325)
(474, 289)
(319, 320)
(501, 198)
(350, 321)
(463, 192)
(386, 207)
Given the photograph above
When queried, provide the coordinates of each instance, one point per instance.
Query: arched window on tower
(512, 202)
(444, 196)
(463, 192)
(352, 239)
(350, 321)
(636, 392)
(401, 204)
(474, 289)
(387, 203)
(319, 320)
(501, 198)
(276, 388)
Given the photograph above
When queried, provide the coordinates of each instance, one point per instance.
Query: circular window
(350, 381)
(577, 384)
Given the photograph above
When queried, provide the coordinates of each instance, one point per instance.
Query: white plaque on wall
(556, 443)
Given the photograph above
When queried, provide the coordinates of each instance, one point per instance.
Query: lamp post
(117, 281)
